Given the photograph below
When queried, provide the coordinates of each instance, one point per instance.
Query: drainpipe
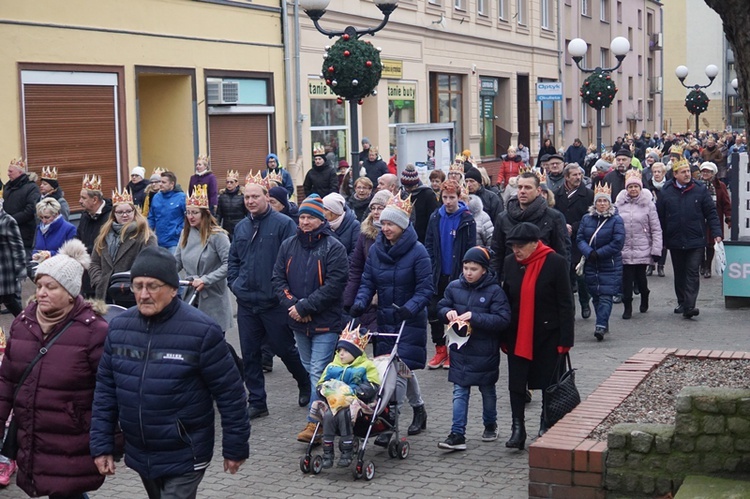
(287, 81)
(297, 82)
(560, 56)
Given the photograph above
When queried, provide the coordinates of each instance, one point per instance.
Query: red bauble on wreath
(599, 83)
(354, 65)
(696, 102)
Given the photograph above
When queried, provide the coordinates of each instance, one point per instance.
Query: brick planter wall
(565, 463)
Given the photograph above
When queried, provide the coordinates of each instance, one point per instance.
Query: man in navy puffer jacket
(164, 364)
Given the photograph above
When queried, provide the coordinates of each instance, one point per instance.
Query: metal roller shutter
(238, 142)
(72, 127)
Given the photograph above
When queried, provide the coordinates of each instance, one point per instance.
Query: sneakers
(6, 472)
(599, 332)
(490, 433)
(453, 442)
(441, 355)
(307, 433)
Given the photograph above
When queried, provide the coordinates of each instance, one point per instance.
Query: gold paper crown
(206, 159)
(525, 169)
(352, 336)
(233, 175)
(542, 177)
(93, 183)
(458, 165)
(603, 189)
(459, 158)
(255, 179)
(199, 197)
(632, 173)
(319, 151)
(49, 173)
(123, 196)
(158, 171)
(677, 150)
(18, 163)
(273, 177)
(404, 205)
(680, 162)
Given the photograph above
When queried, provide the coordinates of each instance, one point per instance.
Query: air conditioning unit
(656, 85)
(656, 42)
(222, 92)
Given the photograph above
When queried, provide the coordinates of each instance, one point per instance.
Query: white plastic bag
(720, 258)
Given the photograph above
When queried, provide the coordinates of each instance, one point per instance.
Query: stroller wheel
(317, 464)
(393, 449)
(304, 464)
(403, 449)
(357, 471)
(369, 470)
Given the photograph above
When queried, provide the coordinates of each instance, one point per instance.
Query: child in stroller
(350, 380)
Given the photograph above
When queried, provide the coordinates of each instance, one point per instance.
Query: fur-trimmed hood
(643, 199)
(368, 228)
(98, 306)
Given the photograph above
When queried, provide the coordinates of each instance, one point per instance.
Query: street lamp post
(682, 71)
(577, 48)
(315, 10)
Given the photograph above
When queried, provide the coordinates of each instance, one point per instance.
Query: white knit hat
(67, 266)
(334, 202)
(139, 170)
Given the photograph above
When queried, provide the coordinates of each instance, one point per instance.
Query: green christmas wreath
(598, 90)
(696, 102)
(352, 68)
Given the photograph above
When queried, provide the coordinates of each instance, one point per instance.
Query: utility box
(736, 278)
(428, 146)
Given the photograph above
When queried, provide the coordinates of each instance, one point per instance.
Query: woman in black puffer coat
(231, 208)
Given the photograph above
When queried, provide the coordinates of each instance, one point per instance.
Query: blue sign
(551, 90)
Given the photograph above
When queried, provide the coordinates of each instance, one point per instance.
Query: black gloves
(656, 258)
(593, 256)
(356, 310)
(403, 314)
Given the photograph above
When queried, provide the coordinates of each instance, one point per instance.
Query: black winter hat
(523, 233)
(474, 174)
(478, 254)
(624, 152)
(158, 263)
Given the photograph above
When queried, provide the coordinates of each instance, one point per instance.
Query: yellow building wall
(160, 33)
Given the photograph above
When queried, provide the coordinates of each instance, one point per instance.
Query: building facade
(100, 86)
(471, 62)
(683, 48)
(639, 100)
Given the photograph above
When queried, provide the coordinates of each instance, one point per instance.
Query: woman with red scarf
(542, 320)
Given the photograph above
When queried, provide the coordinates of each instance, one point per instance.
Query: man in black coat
(575, 153)
(321, 179)
(95, 214)
(686, 212)
(423, 200)
(529, 206)
(21, 195)
(573, 200)
(616, 178)
(492, 204)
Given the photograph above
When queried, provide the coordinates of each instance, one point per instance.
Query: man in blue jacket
(685, 209)
(166, 215)
(273, 165)
(260, 316)
(164, 364)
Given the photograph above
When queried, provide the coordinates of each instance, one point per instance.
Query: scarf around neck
(525, 336)
(48, 321)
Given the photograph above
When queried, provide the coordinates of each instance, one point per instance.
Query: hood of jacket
(475, 204)
(643, 199)
(278, 163)
(391, 253)
(368, 228)
(612, 211)
(312, 238)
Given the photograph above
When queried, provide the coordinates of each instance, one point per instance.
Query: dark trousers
(437, 328)
(174, 487)
(708, 259)
(340, 423)
(584, 297)
(630, 274)
(686, 264)
(254, 329)
(12, 303)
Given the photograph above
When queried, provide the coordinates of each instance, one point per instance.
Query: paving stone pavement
(484, 469)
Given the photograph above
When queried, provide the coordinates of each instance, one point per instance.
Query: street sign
(551, 90)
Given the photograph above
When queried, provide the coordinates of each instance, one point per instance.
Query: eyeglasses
(124, 213)
(363, 188)
(151, 287)
(376, 207)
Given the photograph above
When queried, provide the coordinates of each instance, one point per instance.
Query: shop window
(446, 101)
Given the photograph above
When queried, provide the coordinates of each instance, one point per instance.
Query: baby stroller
(382, 420)
(119, 292)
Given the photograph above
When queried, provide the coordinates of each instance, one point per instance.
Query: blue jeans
(603, 308)
(316, 352)
(461, 406)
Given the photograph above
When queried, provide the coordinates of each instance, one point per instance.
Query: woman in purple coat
(204, 176)
(53, 405)
(643, 241)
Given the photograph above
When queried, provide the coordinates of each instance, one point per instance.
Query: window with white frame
(521, 12)
(586, 8)
(604, 58)
(604, 10)
(502, 10)
(482, 7)
(459, 4)
(546, 14)
(435, 2)
(584, 114)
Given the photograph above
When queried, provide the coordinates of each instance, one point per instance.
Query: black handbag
(562, 396)
(10, 444)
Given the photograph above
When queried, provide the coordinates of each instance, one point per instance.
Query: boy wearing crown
(321, 179)
(351, 377)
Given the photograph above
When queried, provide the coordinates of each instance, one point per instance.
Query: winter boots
(441, 355)
(517, 438)
(419, 422)
(628, 313)
(644, 301)
(347, 451)
(328, 455)
(660, 270)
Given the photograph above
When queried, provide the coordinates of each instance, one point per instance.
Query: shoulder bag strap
(42, 352)
(591, 241)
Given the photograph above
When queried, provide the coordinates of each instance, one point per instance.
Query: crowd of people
(496, 264)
